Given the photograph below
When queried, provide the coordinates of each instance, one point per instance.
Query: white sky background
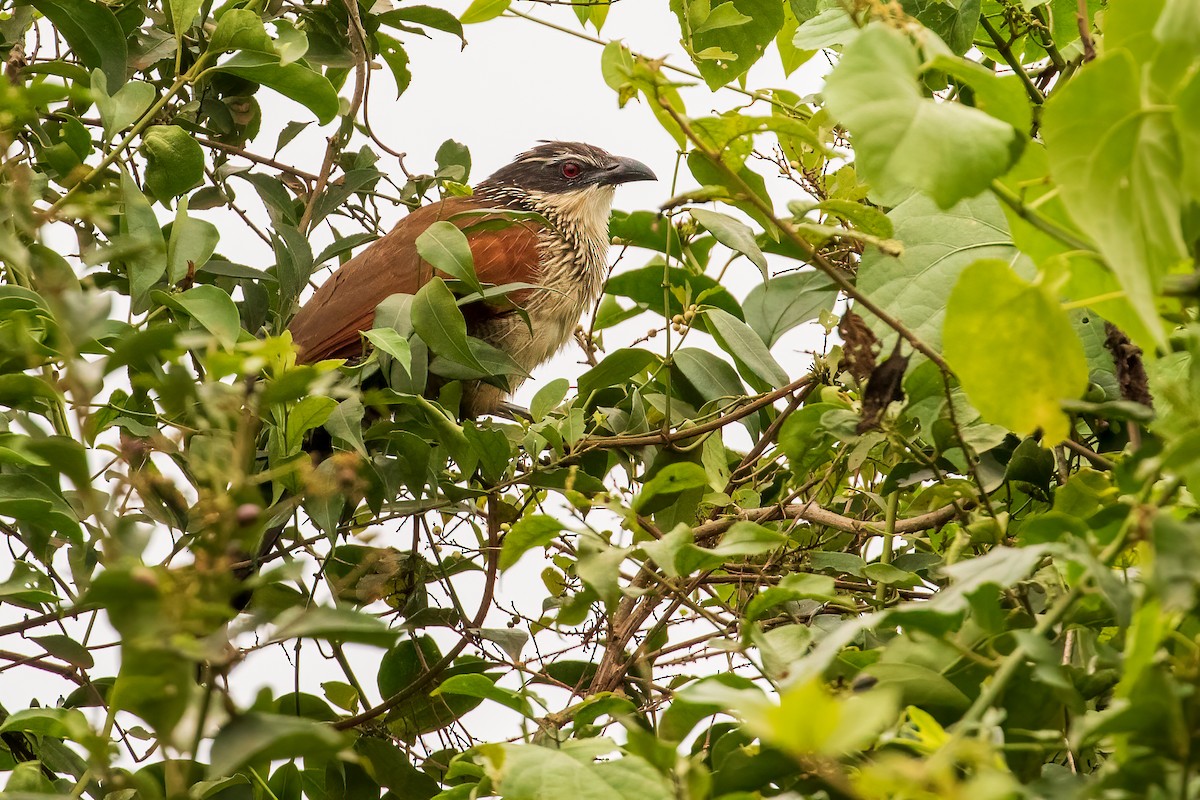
(516, 82)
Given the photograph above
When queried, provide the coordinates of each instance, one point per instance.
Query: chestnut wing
(330, 323)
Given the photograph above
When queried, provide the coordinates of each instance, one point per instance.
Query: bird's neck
(577, 240)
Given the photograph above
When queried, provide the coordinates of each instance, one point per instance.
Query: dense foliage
(954, 554)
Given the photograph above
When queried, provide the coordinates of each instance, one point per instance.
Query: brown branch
(678, 434)
(266, 162)
(1095, 459)
(43, 619)
(1085, 32)
(811, 512)
(38, 662)
(767, 438)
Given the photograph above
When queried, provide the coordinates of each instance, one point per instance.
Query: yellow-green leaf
(1014, 350)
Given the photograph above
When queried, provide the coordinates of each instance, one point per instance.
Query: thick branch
(811, 512)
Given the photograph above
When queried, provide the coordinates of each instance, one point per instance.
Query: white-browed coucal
(569, 184)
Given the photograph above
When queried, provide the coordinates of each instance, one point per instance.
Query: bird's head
(572, 181)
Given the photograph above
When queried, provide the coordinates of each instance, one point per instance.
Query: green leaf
(334, 625)
(64, 647)
(240, 29)
(210, 307)
(123, 108)
(712, 378)
(831, 27)
(644, 286)
(1117, 164)
(26, 498)
(754, 360)
(671, 480)
(483, 10)
(27, 392)
(393, 54)
(534, 530)
(429, 16)
(799, 586)
(345, 424)
(1187, 121)
(294, 81)
(291, 43)
(811, 719)
(174, 161)
(735, 235)
(445, 247)
(438, 321)
(901, 138)
(938, 245)
(548, 398)
(743, 43)
(530, 772)
(725, 15)
(310, 412)
(258, 737)
(484, 688)
(918, 685)
(147, 264)
(615, 369)
(776, 306)
(155, 683)
(954, 21)
(183, 14)
(93, 33)
(61, 723)
(1014, 350)
(392, 343)
(191, 244)
(1002, 96)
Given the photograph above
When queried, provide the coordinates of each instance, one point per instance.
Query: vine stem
(667, 437)
(663, 64)
(338, 140)
(889, 537)
(1042, 223)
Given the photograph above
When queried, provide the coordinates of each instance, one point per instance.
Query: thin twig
(677, 434)
(1010, 58)
(435, 670)
(1085, 32)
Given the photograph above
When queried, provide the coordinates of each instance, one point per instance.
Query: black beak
(626, 170)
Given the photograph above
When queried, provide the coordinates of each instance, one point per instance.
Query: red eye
(571, 170)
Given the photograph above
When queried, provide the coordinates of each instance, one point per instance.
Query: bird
(563, 252)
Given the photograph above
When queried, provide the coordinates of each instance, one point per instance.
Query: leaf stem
(1005, 51)
(1042, 223)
